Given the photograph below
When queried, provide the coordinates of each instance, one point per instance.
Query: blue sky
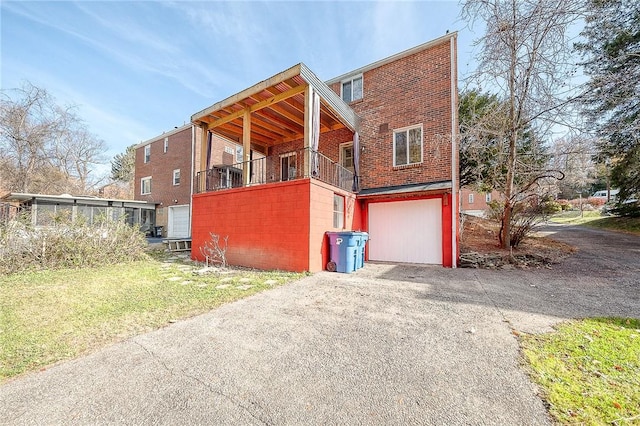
(138, 68)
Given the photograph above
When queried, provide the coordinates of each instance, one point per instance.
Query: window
(470, 198)
(176, 177)
(487, 197)
(288, 166)
(229, 150)
(166, 145)
(407, 146)
(338, 211)
(145, 185)
(346, 155)
(147, 153)
(352, 89)
(239, 154)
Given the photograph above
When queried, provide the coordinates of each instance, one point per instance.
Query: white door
(406, 231)
(178, 222)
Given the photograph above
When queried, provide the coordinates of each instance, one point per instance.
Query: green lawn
(589, 370)
(50, 316)
(595, 220)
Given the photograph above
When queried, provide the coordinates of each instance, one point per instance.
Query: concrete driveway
(388, 344)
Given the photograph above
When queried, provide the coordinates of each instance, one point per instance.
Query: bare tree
(525, 58)
(44, 147)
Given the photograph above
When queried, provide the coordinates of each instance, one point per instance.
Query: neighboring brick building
(392, 123)
(476, 203)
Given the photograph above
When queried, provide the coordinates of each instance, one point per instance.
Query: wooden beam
(260, 105)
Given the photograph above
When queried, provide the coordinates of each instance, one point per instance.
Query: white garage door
(178, 222)
(406, 231)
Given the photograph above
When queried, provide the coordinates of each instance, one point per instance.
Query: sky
(136, 69)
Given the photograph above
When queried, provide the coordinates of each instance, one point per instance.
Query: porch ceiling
(277, 109)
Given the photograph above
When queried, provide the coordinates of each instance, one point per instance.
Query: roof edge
(395, 57)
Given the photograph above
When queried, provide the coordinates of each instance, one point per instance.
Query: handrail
(284, 167)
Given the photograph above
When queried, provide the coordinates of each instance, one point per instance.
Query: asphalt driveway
(388, 344)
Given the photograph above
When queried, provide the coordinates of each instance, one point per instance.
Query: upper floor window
(487, 197)
(470, 198)
(145, 185)
(351, 89)
(239, 154)
(346, 155)
(166, 145)
(176, 177)
(147, 153)
(407, 146)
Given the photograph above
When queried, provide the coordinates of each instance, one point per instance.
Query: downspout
(454, 155)
(193, 156)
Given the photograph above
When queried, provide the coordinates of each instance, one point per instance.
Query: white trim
(407, 129)
(146, 160)
(173, 179)
(341, 148)
(165, 146)
(471, 199)
(454, 152)
(164, 134)
(142, 185)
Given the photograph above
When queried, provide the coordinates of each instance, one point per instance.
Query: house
(165, 168)
(43, 208)
(476, 203)
(372, 150)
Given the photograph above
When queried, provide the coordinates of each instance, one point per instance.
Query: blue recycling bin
(343, 251)
(363, 237)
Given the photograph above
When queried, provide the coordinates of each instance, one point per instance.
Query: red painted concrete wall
(267, 225)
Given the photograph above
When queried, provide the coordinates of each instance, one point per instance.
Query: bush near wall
(68, 245)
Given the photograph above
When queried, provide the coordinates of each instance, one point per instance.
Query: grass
(589, 370)
(49, 316)
(593, 219)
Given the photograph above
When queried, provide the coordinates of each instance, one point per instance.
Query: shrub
(68, 245)
(565, 204)
(525, 216)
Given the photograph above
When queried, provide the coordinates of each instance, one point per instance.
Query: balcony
(300, 164)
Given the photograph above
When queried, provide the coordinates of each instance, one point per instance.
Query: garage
(406, 231)
(178, 222)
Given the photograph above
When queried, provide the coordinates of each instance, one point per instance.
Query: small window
(407, 146)
(147, 153)
(470, 198)
(166, 145)
(229, 150)
(176, 177)
(352, 89)
(487, 197)
(338, 211)
(346, 155)
(239, 154)
(145, 185)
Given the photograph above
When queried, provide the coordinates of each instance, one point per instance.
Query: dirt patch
(479, 248)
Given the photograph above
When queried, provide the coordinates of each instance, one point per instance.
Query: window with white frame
(487, 197)
(346, 155)
(147, 153)
(407, 146)
(338, 211)
(470, 198)
(166, 145)
(176, 177)
(239, 154)
(351, 89)
(145, 185)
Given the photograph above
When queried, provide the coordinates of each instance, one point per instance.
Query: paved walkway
(385, 345)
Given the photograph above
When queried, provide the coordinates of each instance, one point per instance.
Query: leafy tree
(524, 58)
(611, 52)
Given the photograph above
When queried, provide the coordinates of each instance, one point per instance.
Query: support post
(308, 134)
(246, 146)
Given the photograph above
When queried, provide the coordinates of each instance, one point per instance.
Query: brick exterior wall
(410, 91)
